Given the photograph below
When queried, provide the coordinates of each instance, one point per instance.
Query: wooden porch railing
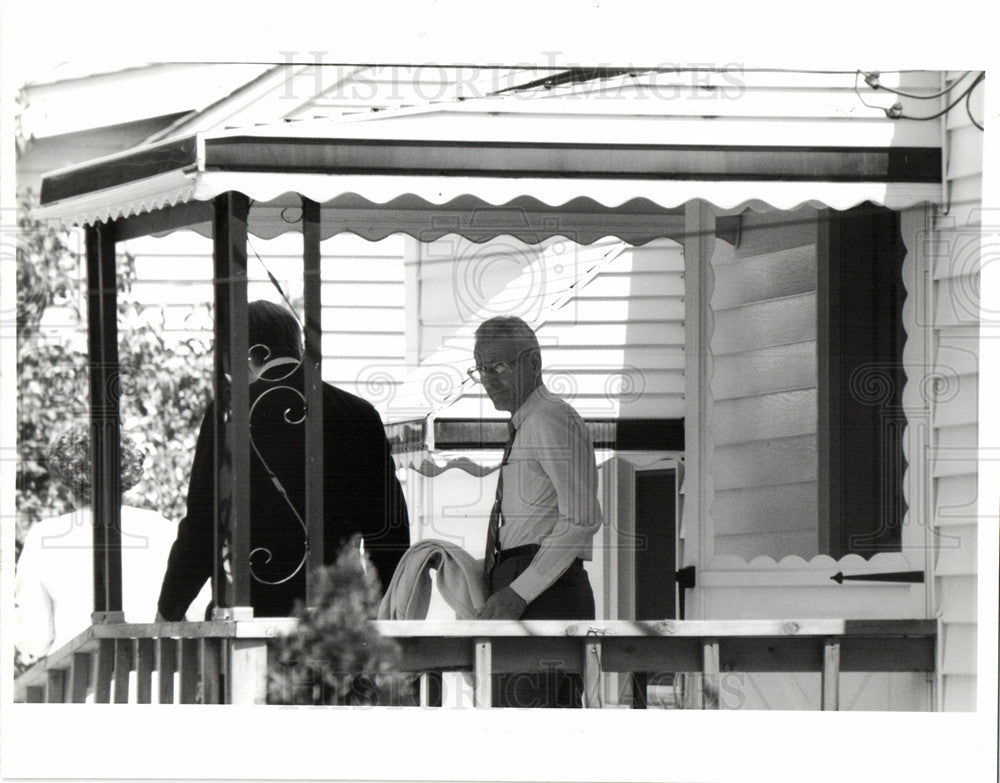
(226, 661)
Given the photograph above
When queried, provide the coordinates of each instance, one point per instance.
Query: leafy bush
(334, 656)
(163, 388)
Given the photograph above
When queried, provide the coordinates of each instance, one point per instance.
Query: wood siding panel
(956, 500)
(956, 255)
(363, 299)
(613, 345)
(656, 258)
(598, 381)
(763, 386)
(956, 301)
(957, 598)
(965, 150)
(800, 542)
(962, 408)
(377, 346)
(374, 294)
(769, 276)
(386, 319)
(965, 213)
(765, 416)
(653, 309)
(959, 648)
(957, 551)
(957, 355)
(780, 368)
(758, 464)
(665, 357)
(669, 283)
(769, 232)
(764, 324)
(960, 693)
(764, 509)
(647, 406)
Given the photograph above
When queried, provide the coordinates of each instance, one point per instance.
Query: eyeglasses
(477, 372)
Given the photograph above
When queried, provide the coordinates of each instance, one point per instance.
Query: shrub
(334, 656)
(163, 388)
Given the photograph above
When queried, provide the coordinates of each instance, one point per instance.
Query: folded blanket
(460, 580)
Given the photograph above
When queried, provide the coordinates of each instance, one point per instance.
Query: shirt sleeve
(34, 626)
(565, 454)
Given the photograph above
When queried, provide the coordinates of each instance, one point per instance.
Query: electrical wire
(276, 284)
(858, 92)
(968, 110)
(902, 94)
(950, 106)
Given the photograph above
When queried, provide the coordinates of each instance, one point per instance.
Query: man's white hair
(511, 331)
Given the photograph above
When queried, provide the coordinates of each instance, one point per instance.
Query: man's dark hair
(274, 326)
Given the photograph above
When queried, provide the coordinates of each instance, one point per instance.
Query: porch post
(105, 432)
(313, 380)
(699, 245)
(232, 409)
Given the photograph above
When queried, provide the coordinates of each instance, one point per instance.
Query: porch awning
(375, 183)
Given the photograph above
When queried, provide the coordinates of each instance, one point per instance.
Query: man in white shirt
(547, 510)
(54, 581)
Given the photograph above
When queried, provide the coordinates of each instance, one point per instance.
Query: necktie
(493, 532)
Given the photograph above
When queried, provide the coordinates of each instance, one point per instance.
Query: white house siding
(609, 317)
(954, 307)
(362, 292)
(763, 389)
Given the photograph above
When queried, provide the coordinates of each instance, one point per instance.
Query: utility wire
(871, 79)
(965, 95)
(968, 110)
(276, 284)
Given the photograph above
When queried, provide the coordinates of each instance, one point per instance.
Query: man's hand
(503, 605)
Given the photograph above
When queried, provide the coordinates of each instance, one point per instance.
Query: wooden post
(56, 687)
(710, 674)
(105, 435)
(482, 674)
(211, 667)
(831, 674)
(312, 379)
(80, 677)
(166, 664)
(145, 663)
(247, 680)
(232, 437)
(105, 670)
(123, 669)
(190, 670)
(592, 674)
(699, 247)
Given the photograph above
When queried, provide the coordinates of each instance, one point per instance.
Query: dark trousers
(570, 597)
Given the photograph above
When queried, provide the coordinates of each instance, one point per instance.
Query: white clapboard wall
(763, 387)
(362, 291)
(609, 318)
(954, 305)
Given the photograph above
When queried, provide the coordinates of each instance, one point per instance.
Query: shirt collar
(534, 400)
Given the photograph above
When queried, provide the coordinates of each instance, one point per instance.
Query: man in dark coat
(361, 493)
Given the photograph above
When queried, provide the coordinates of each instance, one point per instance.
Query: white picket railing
(226, 661)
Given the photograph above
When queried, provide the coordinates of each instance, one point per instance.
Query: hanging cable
(968, 110)
(872, 80)
(276, 284)
(858, 92)
(968, 92)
